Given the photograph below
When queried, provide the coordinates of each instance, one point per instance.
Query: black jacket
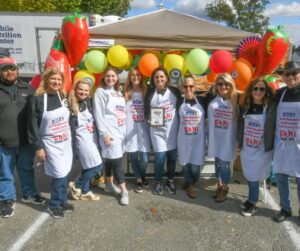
(149, 96)
(13, 116)
(269, 127)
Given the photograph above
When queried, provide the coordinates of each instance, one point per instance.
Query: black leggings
(115, 166)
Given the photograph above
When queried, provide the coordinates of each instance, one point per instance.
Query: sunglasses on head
(260, 89)
(188, 86)
(221, 84)
(287, 74)
(9, 68)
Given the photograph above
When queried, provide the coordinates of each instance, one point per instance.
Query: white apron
(87, 140)
(137, 129)
(116, 119)
(255, 161)
(191, 134)
(164, 138)
(222, 128)
(287, 139)
(56, 137)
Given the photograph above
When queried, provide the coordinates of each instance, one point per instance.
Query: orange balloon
(147, 64)
(211, 77)
(242, 73)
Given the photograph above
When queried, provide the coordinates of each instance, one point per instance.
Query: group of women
(218, 122)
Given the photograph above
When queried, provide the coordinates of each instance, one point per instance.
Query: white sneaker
(75, 192)
(89, 196)
(112, 188)
(124, 198)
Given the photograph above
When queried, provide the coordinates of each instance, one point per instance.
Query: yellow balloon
(117, 56)
(84, 74)
(128, 65)
(173, 61)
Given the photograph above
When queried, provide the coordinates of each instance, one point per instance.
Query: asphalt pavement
(151, 222)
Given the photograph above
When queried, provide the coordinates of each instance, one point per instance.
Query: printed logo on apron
(137, 110)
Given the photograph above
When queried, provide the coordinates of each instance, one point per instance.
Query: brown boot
(222, 196)
(191, 191)
(217, 192)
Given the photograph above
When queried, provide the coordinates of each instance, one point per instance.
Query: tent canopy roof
(167, 29)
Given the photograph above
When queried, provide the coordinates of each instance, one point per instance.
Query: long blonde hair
(226, 77)
(74, 103)
(129, 87)
(43, 87)
(102, 81)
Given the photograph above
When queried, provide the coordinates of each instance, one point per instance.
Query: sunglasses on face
(287, 74)
(188, 86)
(221, 84)
(9, 68)
(259, 89)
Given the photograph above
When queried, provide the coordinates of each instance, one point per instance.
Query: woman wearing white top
(137, 129)
(110, 117)
(222, 115)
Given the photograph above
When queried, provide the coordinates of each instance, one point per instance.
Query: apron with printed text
(255, 161)
(191, 134)
(56, 137)
(164, 138)
(287, 139)
(222, 128)
(137, 129)
(116, 119)
(87, 140)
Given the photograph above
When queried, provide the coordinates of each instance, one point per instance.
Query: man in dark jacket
(14, 147)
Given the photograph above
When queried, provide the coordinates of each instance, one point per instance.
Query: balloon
(220, 61)
(85, 75)
(271, 51)
(173, 61)
(242, 73)
(95, 61)
(117, 56)
(247, 49)
(135, 52)
(197, 61)
(81, 65)
(59, 60)
(75, 34)
(136, 60)
(128, 65)
(35, 81)
(211, 77)
(98, 77)
(272, 81)
(147, 64)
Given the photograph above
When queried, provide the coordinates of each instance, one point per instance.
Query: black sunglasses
(9, 68)
(188, 86)
(260, 89)
(287, 74)
(221, 84)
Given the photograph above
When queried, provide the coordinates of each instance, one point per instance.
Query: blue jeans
(283, 184)
(23, 158)
(58, 192)
(253, 193)
(159, 162)
(83, 181)
(191, 173)
(139, 163)
(223, 171)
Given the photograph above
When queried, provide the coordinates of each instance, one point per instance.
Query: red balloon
(98, 77)
(75, 34)
(271, 51)
(35, 81)
(59, 60)
(220, 61)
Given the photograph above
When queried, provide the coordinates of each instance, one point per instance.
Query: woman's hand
(41, 154)
(107, 140)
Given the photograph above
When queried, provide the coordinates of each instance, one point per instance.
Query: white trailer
(29, 38)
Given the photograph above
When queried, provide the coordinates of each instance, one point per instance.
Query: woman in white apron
(110, 117)
(191, 136)
(86, 141)
(222, 115)
(287, 138)
(137, 129)
(52, 138)
(256, 138)
(163, 137)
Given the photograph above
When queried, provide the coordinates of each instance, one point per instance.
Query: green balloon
(270, 79)
(81, 65)
(95, 61)
(136, 60)
(197, 61)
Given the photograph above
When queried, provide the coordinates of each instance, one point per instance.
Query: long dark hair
(159, 68)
